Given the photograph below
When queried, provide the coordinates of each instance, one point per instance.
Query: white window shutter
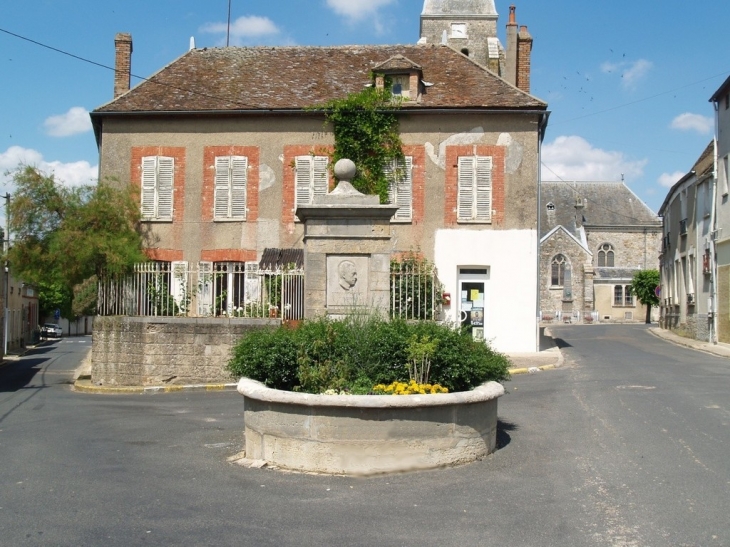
(205, 288)
(320, 176)
(165, 176)
(303, 174)
(465, 195)
(222, 198)
(484, 188)
(239, 181)
(400, 189)
(149, 183)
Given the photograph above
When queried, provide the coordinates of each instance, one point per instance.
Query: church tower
(470, 26)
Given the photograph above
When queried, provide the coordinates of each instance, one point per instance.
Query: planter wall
(368, 434)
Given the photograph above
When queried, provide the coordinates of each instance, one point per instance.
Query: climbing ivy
(366, 130)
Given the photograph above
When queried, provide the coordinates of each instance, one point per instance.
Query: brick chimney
(511, 56)
(519, 50)
(524, 51)
(122, 63)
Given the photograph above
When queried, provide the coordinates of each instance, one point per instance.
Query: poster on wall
(477, 317)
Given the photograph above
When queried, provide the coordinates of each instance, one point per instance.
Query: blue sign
(57, 314)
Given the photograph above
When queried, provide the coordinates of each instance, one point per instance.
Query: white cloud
(245, 30)
(631, 73)
(73, 122)
(69, 174)
(693, 122)
(573, 158)
(668, 179)
(358, 10)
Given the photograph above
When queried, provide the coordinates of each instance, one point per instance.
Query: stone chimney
(122, 63)
(511, 60)
(519, 50)
(524, 51)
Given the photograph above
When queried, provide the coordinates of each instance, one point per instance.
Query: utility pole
(228, 32)
(6, 248)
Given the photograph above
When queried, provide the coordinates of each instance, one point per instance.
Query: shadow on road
(503, 438)
(18, 375)
(561, 343)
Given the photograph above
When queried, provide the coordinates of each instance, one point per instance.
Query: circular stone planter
(368, 434)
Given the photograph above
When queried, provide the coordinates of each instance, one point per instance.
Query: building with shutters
(224, 147)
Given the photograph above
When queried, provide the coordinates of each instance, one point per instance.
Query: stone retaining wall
(143, 351)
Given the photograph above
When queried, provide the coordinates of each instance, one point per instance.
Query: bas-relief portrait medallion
(347, 280)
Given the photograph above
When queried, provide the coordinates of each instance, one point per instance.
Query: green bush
(359, 352)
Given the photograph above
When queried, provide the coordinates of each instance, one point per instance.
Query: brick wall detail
(252, 184)
(228, 255)
(178, 192)
(452, 177)
(287, 198)
(164, 255)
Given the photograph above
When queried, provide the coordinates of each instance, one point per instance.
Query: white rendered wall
(510, 255)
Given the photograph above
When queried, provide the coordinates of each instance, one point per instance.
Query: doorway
(473, 299)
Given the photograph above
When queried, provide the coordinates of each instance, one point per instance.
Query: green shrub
(359, 352)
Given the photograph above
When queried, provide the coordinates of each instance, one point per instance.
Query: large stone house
(224, 147)
(686, 282)
(594, 237)
(720, 237)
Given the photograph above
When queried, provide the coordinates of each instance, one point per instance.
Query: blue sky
(627, 82)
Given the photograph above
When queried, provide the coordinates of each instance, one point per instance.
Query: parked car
(51, 330)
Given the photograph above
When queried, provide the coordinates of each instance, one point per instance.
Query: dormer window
(401, 85)
(551, 206)
(402, 74)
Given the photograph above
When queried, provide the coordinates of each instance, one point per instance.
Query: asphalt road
(625, 445)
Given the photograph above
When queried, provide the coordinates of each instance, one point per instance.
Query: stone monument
(347, 241)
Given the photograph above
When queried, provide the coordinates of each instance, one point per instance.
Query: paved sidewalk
(719, 349)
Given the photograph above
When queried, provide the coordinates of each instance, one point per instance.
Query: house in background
(686, 280)
(594, 237)
(720, 240)
(224, 147)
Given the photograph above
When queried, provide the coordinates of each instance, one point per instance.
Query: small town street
(626, 444)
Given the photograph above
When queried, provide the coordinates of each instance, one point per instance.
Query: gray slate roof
(605, 204)
(285, 78)
(615, 273)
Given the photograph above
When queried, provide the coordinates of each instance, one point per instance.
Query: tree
(62, 236)
(644, 287)
(366, 131)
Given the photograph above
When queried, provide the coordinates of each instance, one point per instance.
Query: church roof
(459, 7)
(605, 204)
(295, 78)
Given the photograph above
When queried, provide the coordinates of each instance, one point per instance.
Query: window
(551, 206)
(401, 85)
(400, 189)
(231, 173)
(605, 256)
(622, 296)
(558, 271)
(474, 199)
(618, 295)
(628, 296)
(311, 179)
(157, 187)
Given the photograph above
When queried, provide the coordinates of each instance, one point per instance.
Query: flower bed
(368, 434)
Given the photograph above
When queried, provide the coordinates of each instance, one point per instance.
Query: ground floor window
(622, 295)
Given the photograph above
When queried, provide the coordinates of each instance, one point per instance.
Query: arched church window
(605, 256)
(558, 271)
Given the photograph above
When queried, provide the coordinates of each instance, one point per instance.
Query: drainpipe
(541, 135)
(713, 234)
